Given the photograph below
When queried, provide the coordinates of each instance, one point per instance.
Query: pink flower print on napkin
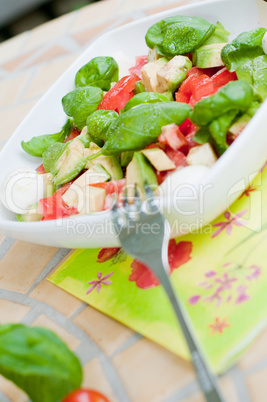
(218, 326)
(98, 283)
(229, 223)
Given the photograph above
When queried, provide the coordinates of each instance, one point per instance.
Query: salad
(178, 109)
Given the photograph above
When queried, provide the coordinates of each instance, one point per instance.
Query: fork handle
(205, 377)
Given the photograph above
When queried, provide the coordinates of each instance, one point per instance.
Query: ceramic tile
(257, 385)
(151, 373)
(87, 35)
(107, 333)
(47, 75)
(12, 117)
(12, 48)
(10, 89)
(44, 321)
(62, 301)
(94, 378)
(255, 353)
(51, 53)
(11, 312)
(48, 32)
(11, 391)
(93, 15)
(27, 262)
(15, 63)
(128, 6)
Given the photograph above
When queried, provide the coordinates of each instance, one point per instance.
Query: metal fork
(152, 250)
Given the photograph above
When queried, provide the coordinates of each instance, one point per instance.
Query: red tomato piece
(54, 207)
(222, 77)
(196, 71)
(117, 97)
(113, 186)
(201, 88)
(85, 395)
(178, 158)
(106, 254)
(74, 133)
(41, 169)
(172, 136)
(140, 61)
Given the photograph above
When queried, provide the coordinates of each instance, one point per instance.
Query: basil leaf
(38, 362)
(178, 35)
(99, 72)
(245, 47)
(99, 122)
(220, 35)
(255, 73)
(202, 136)
(218, 129)
(80, 103)
(37, 145)
(52, 154)
(145, 97)
(141, 126)
(139, 87)
(236, 95)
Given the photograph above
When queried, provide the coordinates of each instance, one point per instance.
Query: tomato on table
(140, 61)
(117, 97)
(85, 395)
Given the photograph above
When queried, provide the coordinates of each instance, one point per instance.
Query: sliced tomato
(113, 186)
(117, 97)
(172, 136)
(74, 133)
(140, 61)
(178, 158)
(106, 254)
(222, 77)
(201, 88)
(196, 71)
(54, 207)
(85, 395)
(41, 169)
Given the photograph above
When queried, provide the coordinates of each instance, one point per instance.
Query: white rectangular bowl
(239, 164)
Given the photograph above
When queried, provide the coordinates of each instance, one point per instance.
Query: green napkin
(220, 275)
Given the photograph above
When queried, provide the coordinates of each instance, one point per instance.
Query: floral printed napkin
(220, 275)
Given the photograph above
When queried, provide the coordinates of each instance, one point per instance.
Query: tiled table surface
(116, 361)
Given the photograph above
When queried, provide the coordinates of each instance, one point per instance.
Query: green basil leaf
(253, 108)
(38, 362)
(218, 129)
(141, 126)
(80, 103)
(202, 136)
(139, 87)
(52, 154)
(236, 95)
(255, 73)
(220, 35)
(145, 97)
(245, 47)
(99, 72)
(178, 35)
(37, 145)
(99, 122)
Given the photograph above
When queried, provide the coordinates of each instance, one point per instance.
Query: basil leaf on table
(37, 145)
(145, 97)
(254, 72)
(99, 122)
(236, 95)
(245, 47)
(99, 72)
(220, 35)
(38, 362)
(141, 125)
(178, 35)
(218, 129)
(80, 103)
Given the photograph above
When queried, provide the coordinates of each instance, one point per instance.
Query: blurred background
(17, 16)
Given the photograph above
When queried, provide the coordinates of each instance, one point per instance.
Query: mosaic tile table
(116, 361)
